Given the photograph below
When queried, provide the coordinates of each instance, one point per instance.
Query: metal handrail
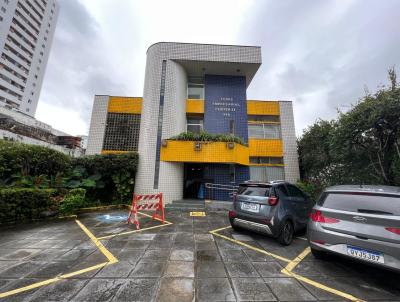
(209, 185)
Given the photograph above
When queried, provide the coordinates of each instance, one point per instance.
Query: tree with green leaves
(360, 147)
(367, 138)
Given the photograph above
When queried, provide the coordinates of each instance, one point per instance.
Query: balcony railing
(204, 152)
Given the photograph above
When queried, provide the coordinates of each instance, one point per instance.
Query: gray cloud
(321, 54)
(77, 67)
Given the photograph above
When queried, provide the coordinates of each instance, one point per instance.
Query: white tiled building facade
(169, 177)
(26, 34)
(169, 69)
(97, 125)
(292, 172)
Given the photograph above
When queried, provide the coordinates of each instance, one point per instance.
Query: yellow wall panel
(194, 106)
(211, 152)
(118, 104)
(266, 147)
(262, 107)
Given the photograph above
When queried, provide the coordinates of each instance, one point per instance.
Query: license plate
(365, 254)
(250, 207)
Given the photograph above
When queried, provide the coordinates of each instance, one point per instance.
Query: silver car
(361, 222)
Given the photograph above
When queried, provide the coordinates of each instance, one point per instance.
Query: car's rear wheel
(234, 227)
(286, 233)
(321, 255)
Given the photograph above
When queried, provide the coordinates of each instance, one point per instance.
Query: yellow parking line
(288, 270)
(147, 215)
(290, 266)
(214, 232)
(134, 231)
(298, 259)
(166, 222)
(321, 286)
(220, 229)
(111, 258)
(49, 281)
(99, 245)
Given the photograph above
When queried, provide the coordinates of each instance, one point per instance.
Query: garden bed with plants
(207, 137)
(37, 182)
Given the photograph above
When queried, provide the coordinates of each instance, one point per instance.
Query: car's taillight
(394, 230)
(317, 216)
(273, 201)
(232, 214)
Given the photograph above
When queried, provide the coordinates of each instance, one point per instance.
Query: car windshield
(253, 191)
(362, 203)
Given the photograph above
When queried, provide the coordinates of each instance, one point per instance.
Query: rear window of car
(362, 203)
(253, 191)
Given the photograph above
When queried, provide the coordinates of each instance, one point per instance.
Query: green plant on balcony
(208, 137)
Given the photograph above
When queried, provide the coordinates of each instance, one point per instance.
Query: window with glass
(264, 131)
(195, 91)
(265, 174)
(266, 160)
(294, 192)
(264, 118)
(194, 124)
(253, 191)
(195, 88)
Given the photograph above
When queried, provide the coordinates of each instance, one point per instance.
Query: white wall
(290, 156)
(174, 115)
(97, 124)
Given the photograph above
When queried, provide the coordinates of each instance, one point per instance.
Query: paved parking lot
(100, 258)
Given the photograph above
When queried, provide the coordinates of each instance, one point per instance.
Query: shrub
(23, 165)
(74, 200)
(27, 204)
(311, 189)
(108, 178)
(208, 137)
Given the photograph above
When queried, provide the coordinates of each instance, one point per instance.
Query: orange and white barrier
(151, 202)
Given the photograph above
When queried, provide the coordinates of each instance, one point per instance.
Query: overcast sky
(320, 54)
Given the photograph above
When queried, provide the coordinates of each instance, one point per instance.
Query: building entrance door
(193, 187)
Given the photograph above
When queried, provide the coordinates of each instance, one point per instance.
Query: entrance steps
(187, 204)
(197, 205)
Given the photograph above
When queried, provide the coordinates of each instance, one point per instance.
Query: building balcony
(113, 152)
(265, 147)
(204, 152)
(194, 106)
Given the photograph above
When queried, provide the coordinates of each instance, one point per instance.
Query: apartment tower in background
(26, 33)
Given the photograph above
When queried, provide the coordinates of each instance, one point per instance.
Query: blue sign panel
(225, 111)
(225, 105)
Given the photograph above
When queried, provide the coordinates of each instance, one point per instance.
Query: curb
(11, 223)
